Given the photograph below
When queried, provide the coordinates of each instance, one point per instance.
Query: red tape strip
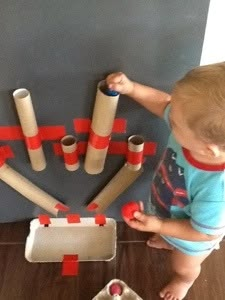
(92, 206)
(52, 132)
(71, 158)
(62, 207)
(83, 125)
(6, 152)
(44, 219)
(33, 142)
(134, 158)
(97, 141)
(73, 218)
(70, 265)
(100, 220)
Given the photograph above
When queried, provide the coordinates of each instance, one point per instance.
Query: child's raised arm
(153, 100)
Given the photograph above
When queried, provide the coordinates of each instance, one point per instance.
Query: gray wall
(59, 50)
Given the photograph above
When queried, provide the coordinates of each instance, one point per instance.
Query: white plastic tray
(127, 293)
(90, 241)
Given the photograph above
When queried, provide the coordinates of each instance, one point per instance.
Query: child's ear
(213, 150)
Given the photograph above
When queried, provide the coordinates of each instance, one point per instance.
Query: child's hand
(143, 222)
(120, 83)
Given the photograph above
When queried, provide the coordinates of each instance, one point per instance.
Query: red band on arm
(33, 142)
(71, 158)
(134, 158)
(97, 141)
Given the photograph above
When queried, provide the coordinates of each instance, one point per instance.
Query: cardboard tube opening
(20, 93)
(68, 140)
(136, 140)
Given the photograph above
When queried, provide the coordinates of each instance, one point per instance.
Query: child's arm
(180, 229)
(153, 100)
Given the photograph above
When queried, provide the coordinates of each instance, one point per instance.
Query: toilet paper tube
(117, 185)
(101, 129)
(135, 152)
(70, 154)
(29, 126)
(26, 188)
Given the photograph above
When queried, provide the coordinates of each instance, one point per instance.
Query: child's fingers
(114, 78)
(140, 216)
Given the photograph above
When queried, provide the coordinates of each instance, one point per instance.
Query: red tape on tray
(135, 158)
(33, 142)
(73, 218)
(100, 220)
(44, 219)
(71, 158)
(97, 141)
(70, 265)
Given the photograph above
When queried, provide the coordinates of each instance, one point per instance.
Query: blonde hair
(202, 91)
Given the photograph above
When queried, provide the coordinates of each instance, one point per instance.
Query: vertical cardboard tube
(70, 153)
(26, 188)
(135, 152)
(101, 129)
(29, 126)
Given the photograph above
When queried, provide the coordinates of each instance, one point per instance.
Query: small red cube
(129, 209)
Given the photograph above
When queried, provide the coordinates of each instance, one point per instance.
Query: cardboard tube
(29, 126)
(135, 152)
(69, 147)
(29, 190)
(118, 184)
(101, 128)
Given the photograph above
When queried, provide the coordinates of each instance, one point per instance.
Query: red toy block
(70, 265)
(129, 209)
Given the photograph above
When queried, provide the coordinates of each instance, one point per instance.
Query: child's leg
(186, 269)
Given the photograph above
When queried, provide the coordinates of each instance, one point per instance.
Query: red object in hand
(115, 289)
(129, 209)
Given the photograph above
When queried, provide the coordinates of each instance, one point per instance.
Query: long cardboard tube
(117, 185)
(101, 129)
(29, 126)
(26, 188)
(69, 147)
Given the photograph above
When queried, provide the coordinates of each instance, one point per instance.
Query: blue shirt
(184, 188)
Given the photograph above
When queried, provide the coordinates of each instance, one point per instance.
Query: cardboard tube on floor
(29, 126)
(26, 188)
(69, 147)
(135, 152)
(101, 129)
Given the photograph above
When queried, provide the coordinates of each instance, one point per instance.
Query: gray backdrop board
(59, 50)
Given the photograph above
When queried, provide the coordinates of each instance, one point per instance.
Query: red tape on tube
(71, 158)
(33, 142)
(134, 158)
(97, 141)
